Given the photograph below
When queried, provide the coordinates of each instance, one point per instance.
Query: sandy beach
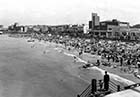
(115, 74)
(43, 69)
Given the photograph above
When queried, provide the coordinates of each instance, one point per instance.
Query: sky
(55, 12)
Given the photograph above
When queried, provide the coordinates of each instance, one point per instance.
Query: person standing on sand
(75, 59)
(138, 65)
(98, 63)
(106, 81)
(121, 61)
(108, 57)
(80, 53)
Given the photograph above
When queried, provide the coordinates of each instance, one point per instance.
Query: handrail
(113, 82)
(116, 85)
(86, 92)
(112, 86)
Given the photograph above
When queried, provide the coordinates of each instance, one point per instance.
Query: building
(95, 20)
(85, 28)
(107, 29)
(59, 28)
(113, 29)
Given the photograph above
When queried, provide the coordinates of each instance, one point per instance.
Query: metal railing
(113, 87)
(86, 92)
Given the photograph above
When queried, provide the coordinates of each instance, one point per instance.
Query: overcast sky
(67, 11)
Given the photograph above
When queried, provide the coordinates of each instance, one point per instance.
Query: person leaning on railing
(100, 84)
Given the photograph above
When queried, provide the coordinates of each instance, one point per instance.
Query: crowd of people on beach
(125, 55)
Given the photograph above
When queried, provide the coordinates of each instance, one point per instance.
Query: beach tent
(135, 92)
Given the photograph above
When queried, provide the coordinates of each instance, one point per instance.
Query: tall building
(95, 20)
(90, 24)
(112, 29)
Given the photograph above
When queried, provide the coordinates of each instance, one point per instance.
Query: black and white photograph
(69, 48)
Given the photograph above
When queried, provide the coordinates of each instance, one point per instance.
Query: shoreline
(113, 76)
(60, 46)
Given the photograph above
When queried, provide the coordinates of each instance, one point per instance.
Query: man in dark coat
(98, 63)
(121, 61)
(106, 81)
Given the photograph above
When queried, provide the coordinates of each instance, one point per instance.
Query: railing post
(94, 86)
(118, 87)
(78, 95)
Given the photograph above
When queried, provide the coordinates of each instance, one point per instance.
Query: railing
(113, 87)
(86, 92)
(94, 89)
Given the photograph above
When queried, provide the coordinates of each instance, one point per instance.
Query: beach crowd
(115, 54)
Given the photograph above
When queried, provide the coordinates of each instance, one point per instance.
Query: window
(96, 33)
(133, 34)
(109, 33)
(103, 33)
(124, 33)
(116, 33)
(103, 24)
